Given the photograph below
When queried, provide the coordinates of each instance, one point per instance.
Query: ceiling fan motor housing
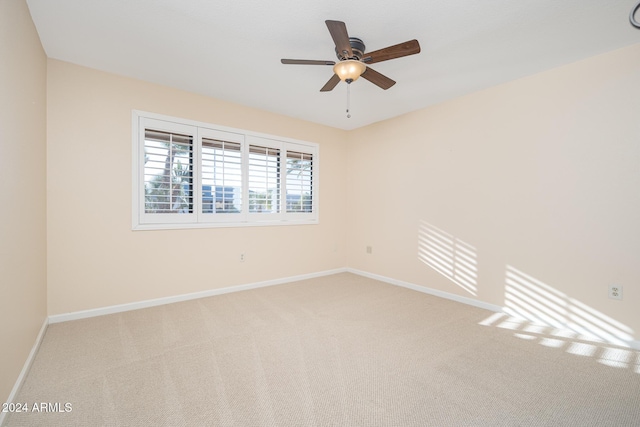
(357, 47)
(352, 62)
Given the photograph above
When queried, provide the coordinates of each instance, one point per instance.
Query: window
(188, 174)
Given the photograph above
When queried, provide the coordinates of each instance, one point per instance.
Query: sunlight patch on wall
(531, 299)
(451, 257)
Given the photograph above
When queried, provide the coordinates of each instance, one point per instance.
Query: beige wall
(23, 188)
(96, 260)
(538, 180)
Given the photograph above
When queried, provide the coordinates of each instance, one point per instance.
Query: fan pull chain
(348, 100)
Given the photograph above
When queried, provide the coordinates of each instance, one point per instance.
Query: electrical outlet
(369, 249)
(241, 257)
(615, 291)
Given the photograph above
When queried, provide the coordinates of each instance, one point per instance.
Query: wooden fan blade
(340, 37)
(307, 62)
(377, 79)
(396, 51)
(333, 81)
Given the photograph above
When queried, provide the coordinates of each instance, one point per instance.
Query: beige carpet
(341, 350)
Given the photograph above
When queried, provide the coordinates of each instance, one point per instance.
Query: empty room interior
(451, 239)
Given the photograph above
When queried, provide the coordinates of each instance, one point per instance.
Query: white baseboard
(425, 290)
(25, 367)
(84, 314)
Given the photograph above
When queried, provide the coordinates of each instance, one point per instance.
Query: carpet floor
(340, 350)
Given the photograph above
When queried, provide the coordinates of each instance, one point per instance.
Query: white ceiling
(231, 49)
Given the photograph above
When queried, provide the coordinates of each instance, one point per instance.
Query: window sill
(274, 223)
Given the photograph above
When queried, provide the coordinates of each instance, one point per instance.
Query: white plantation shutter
(299, 188)
(264, 180)
(168, 172)
(221, 176)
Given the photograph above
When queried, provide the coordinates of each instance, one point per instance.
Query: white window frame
(142, 120)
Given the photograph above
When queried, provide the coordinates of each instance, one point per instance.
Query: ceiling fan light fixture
(349, 70)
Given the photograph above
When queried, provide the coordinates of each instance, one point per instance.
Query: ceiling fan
(353, 62)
